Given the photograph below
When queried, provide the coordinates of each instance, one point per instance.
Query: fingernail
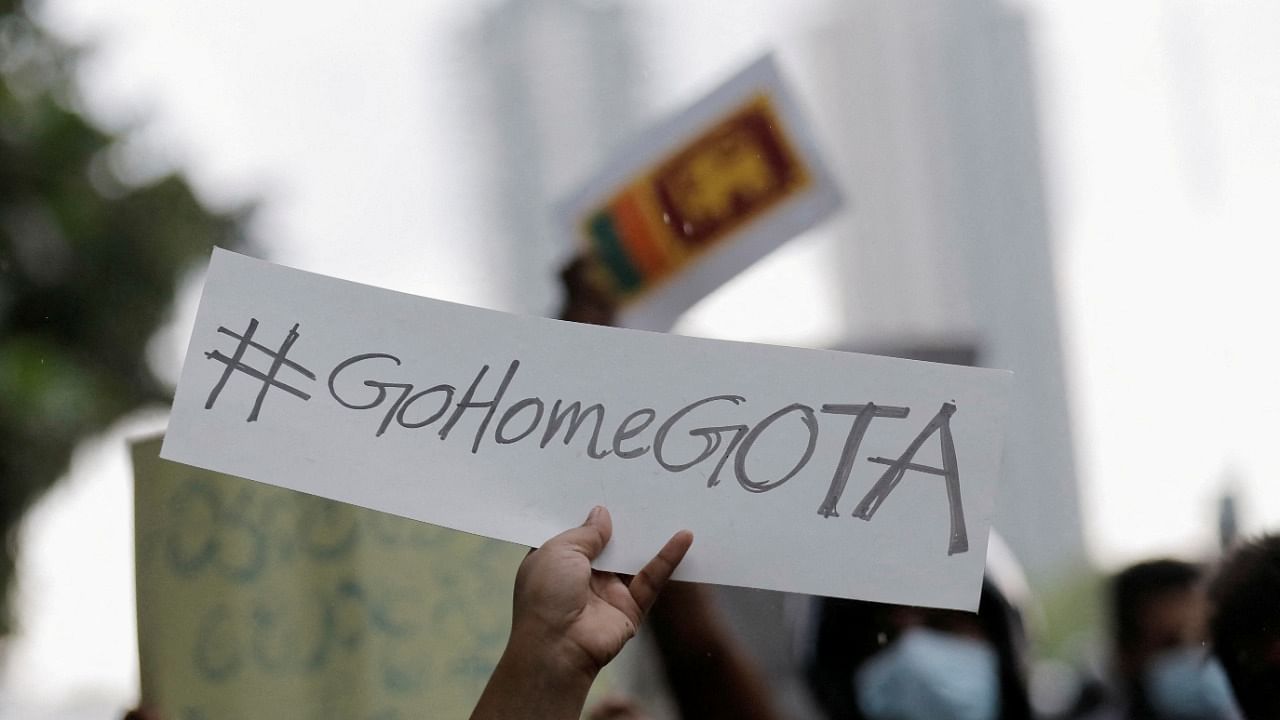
(595, 511)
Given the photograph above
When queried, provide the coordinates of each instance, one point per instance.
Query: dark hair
(848, 632)
(1245, 624)
(1134, 586)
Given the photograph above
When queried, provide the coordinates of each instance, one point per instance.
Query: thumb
(591, 537)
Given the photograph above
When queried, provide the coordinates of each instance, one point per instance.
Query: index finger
(647, 583)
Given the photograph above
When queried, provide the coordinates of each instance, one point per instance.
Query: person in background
(711, 676)
(568, 621)
(1245, 625)
(1163, 670)
(873, 661)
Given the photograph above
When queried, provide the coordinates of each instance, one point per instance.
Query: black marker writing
(521, 419)
(466, 403)
(401, 406)
(712, 436)
(865, 414)
(941, 423)
(625, 433)
(412, 400)
(511, 413)
(577, 416)
(740, 460)
(235, 364)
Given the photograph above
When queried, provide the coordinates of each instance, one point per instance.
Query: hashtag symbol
(235, 364)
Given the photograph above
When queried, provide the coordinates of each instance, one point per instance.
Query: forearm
(531, 684)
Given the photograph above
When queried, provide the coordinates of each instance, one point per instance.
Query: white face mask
(1186, 684)
(929, 675)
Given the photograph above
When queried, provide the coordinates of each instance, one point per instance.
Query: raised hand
(569, 621)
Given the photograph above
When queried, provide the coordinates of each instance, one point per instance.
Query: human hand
(569, 621)
(579, 617)
(586, 300)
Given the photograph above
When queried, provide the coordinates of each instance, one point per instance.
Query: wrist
(531, 683)
(551, 658)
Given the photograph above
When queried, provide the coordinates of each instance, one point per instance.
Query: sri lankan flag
(741, 167)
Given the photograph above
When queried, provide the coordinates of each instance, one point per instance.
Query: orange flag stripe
(642, 240)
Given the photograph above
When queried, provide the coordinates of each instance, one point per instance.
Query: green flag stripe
(612, 253)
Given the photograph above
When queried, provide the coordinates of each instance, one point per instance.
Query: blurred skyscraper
(930, 110)
(559, 87)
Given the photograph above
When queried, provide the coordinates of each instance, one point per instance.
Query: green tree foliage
(88, 270)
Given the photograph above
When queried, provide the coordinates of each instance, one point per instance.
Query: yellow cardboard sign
(256, 602)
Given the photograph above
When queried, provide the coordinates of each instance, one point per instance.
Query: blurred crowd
(1187, 641)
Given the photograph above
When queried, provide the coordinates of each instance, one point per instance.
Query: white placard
(801, 470)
